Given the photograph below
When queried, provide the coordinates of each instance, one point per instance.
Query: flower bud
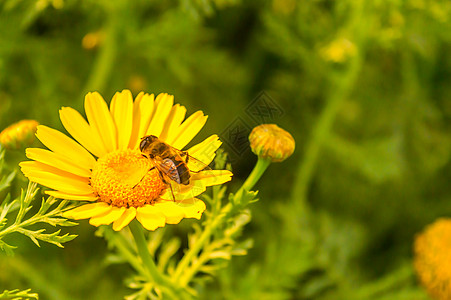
(432, 259)
(271, 142)
(92, 40)
(18, 134)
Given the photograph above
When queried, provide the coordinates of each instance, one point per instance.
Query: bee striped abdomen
(183, 173)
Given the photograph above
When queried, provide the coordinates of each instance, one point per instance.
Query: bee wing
(136, 174)
(198, 184)
(168, 167)
(181, 192)
(194, 165)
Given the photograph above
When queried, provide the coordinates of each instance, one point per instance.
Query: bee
(171, 163)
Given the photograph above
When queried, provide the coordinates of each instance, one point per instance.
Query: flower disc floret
(122, 179)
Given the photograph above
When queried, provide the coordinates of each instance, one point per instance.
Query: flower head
(104, 165)
(19, 134)
(339, 50)
(271, 142)
(432, 261)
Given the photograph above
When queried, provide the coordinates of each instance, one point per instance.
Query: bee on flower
(107, 161)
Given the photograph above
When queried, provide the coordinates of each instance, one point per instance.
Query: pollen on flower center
(122, 179)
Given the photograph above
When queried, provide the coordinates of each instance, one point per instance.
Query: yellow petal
(198, 184)
(193, 208)
(204, 152)
(183, 192)
(171, 211)
(65, 146)
(80, 130)
(57, 160)
(173, 121)
(142, 114)
(62, 195)
(122, 111)
(188, 130)
(108, 217)
(164, 104)
(150, 217)
(87, 211)
(100, 119)
(212, 177)
(125, 219)
(55, 179)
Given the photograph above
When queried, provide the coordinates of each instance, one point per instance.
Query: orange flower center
(123, 178)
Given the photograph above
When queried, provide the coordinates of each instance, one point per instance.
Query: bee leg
(168, 183)
(172, 192)
(185, 154)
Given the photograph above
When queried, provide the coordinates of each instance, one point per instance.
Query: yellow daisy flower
(107, 168)
(17, 135)
(432, 258)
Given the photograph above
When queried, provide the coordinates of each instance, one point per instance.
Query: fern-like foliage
(211, 244)
(47, 213)
(19, 295)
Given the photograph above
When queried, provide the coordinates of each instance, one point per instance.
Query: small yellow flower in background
(285, 7)
(271, 142)
(42, 4)
(339, 50)
(107, 168)
(432, 260)
(20, 134)
(92, 40)
(137, 83)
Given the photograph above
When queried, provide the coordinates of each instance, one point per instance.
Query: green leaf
(244, 198)
(17, 294)
(53, 238)
(5, 182)
(7, 248)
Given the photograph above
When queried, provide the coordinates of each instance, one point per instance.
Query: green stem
(162, 281)
(194, 250)
(122, 246)
(342, 84)
(21, 269)
(104, 62)
(144, 253)
(180, 274)
(257, 172)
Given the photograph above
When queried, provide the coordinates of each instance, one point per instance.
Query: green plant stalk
(193, 268)
(260, 168)
(47, 289)
(180, 274)
(33, 220)
(161, 280)
(121, 244)
(104, 62)
(343, 84)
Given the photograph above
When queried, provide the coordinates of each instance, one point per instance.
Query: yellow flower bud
(339, 50)
(432, 260)
(18, 134)
(92, 40)
(271, 142)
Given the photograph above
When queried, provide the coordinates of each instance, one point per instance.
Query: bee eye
(143, 144)
(154, 151)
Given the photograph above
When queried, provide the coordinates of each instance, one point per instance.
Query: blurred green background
(363, 86)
